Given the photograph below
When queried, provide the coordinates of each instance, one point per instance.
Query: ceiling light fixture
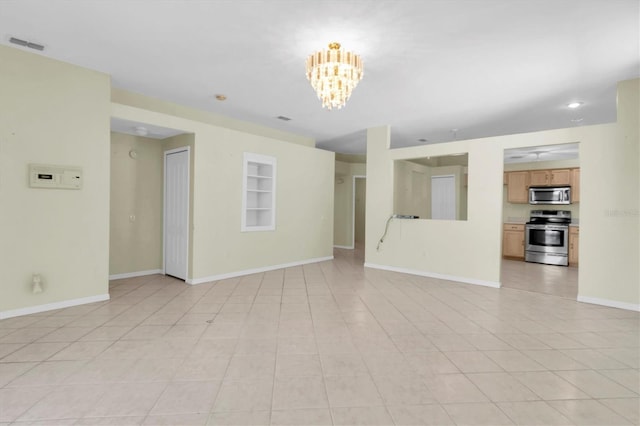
(574, 105)
(334, 74)
(140, 131)
(221, 97)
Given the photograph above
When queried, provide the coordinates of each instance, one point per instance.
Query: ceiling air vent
(283, 118)
(26, 43)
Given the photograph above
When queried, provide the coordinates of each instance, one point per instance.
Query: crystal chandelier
(334, 74)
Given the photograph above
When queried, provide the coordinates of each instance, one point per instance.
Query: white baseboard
(344, 247)
(256, 270)
(465, 280)
(609, 303)
(134, 274)
(53, 306)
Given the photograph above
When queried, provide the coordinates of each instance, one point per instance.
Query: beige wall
(470, 250)
(135, 243)
(609, 207)
(52, 113)
(304, 197)
(343, 202)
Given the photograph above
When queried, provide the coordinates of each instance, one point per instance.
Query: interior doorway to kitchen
(540, 166)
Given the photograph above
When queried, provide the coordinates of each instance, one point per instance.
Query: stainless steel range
(547, 237)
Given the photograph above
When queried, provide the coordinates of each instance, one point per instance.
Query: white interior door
(176, 212)
(443, 197)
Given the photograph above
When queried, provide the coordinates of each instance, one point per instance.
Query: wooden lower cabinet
(574, 245)
(513, 241)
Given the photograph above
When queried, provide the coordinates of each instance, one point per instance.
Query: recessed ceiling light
(574, 105)
(221, 97)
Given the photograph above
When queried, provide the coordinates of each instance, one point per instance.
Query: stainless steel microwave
(550, 195)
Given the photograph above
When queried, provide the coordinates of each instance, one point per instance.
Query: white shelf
(258, 193)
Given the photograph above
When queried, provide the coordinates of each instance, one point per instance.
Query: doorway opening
(526, 260)
(359, 214)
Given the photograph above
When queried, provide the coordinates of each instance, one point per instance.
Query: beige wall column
(609, 208)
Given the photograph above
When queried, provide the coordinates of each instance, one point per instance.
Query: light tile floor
(555, 280)
(327, 343)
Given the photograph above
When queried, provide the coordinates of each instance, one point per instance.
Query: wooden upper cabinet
(575, 185)
(539, 177)
(550, 177)
(560, 177)
(518, 187)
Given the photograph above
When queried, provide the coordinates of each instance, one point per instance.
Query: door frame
(353, 209)
(164, 205)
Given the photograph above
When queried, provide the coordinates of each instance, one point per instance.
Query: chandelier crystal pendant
(334, 74)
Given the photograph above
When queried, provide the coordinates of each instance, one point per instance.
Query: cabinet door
(560, 177)
(518, 187)
(539, 177)
(513, 244)
(575, 185)
(574, 243)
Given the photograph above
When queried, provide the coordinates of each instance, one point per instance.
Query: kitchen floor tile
(628, 408)
(403, 390)
(596, 385)
(239, 418)
(454, 388)
(186, 397)
(127, 399)
(47, 373)
(64, 402)
(588, 412)
(501, 387)
(191, 419)
(533, 413)
(355, 391)
(629, 378)
(308, 417)
(415, 415)
(549, 386)
(472, 362)
(247, 395)
(348, 416)
(290, 393)
(477, 414)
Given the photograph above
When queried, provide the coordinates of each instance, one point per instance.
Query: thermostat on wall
(56, 177)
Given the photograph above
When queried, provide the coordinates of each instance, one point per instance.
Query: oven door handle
(548, 227)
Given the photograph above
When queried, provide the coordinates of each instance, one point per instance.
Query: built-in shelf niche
(259, 193)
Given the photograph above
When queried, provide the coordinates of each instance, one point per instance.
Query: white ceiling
(568, 151)
(484, 67)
